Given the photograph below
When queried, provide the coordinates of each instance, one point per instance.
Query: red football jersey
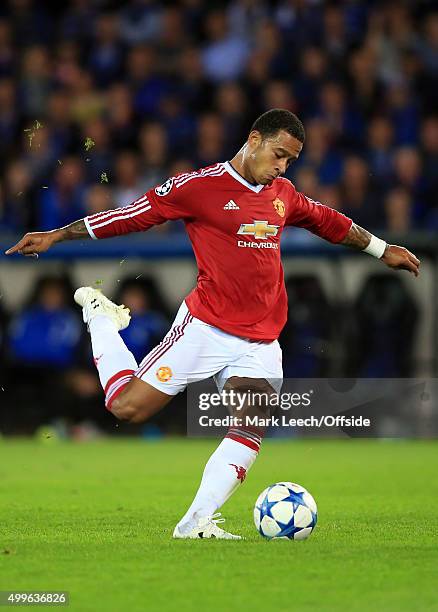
(235, 229)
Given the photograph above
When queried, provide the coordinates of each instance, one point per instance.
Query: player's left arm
(335, 227)
(393, 256)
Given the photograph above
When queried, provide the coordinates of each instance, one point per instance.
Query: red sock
(249, 436)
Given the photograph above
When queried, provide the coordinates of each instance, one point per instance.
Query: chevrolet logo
(258, 229)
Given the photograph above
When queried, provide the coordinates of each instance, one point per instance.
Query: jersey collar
(240, 178)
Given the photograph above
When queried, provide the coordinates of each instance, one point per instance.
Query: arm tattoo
(74, 231)
(357, 238)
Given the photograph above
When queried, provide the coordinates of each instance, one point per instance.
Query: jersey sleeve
(319, 219)
(166, 202)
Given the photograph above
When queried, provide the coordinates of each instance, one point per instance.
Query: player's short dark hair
(276, 119)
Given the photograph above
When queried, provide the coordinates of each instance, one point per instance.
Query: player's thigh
(191, 352)
(139, 401)
(262, 360)
(252, 396)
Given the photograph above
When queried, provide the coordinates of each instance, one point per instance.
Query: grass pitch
(96, 519)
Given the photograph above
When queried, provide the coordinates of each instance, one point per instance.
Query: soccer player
(227, 327)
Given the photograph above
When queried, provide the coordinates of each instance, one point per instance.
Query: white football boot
(207, 527)
(94, 303)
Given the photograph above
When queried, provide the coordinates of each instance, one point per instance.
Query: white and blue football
(285, 510)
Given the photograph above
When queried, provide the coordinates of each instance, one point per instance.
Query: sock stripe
(115, 387)
(109, 400)
(245, 441)
(117, 376)
(245, 434)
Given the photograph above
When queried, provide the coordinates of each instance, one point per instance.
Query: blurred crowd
(100, 101)
(47, 369)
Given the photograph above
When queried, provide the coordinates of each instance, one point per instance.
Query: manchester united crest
(279, 206)
(164, 374)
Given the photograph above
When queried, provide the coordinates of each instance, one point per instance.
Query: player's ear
(254, 139)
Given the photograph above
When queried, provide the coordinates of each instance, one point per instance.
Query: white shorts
(193, 350)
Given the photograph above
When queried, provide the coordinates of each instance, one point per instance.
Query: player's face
(270, 157)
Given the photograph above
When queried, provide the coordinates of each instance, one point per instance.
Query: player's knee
(256, 396)
(125, 409)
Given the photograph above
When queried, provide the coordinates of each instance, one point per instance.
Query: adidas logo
(231, 205)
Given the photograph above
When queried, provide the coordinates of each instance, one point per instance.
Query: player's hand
(33, 243)
(400, 258)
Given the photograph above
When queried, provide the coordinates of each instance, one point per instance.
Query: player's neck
(239, 165)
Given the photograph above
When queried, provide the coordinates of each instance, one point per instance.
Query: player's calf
(138, 402)
(253, 405)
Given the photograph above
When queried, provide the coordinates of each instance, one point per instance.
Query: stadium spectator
(98, 198)
(76, 22)
(9, 116)
(271, 49)
(148, 85)
(313, 70)
(210, 144)
(309, 328)
(306, 180)
(105, 59)
(42, 352)
(97, 149)
(64, 137)
(7, 55)
(153, 149)
(380, 149)
(87, 102)
(232, 104)
(120, 117)
(46, 333)
(67, 59)
(38, 154)
(279, 94)
(408, 174)
(376, 348)
(18, 197)
(140, 21)
(429, 144)
(35, 81)
(319, 154)
(63, 200)
(3, 333)
(148, 324)
(399, 210)
(428, 45)
(359, 196)
(127, 179)
(366, 88)
(31, 23)
(344, 122)
(225, 54)
(331, 195)
(178, 122)
(173, 37)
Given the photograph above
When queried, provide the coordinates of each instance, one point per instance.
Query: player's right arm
(168, 201)
(38, 242)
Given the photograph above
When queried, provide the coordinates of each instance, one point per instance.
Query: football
(285, 510)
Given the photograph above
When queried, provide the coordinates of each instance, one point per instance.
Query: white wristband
(376, 247)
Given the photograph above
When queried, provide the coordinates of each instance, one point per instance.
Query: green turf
(96, 518)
